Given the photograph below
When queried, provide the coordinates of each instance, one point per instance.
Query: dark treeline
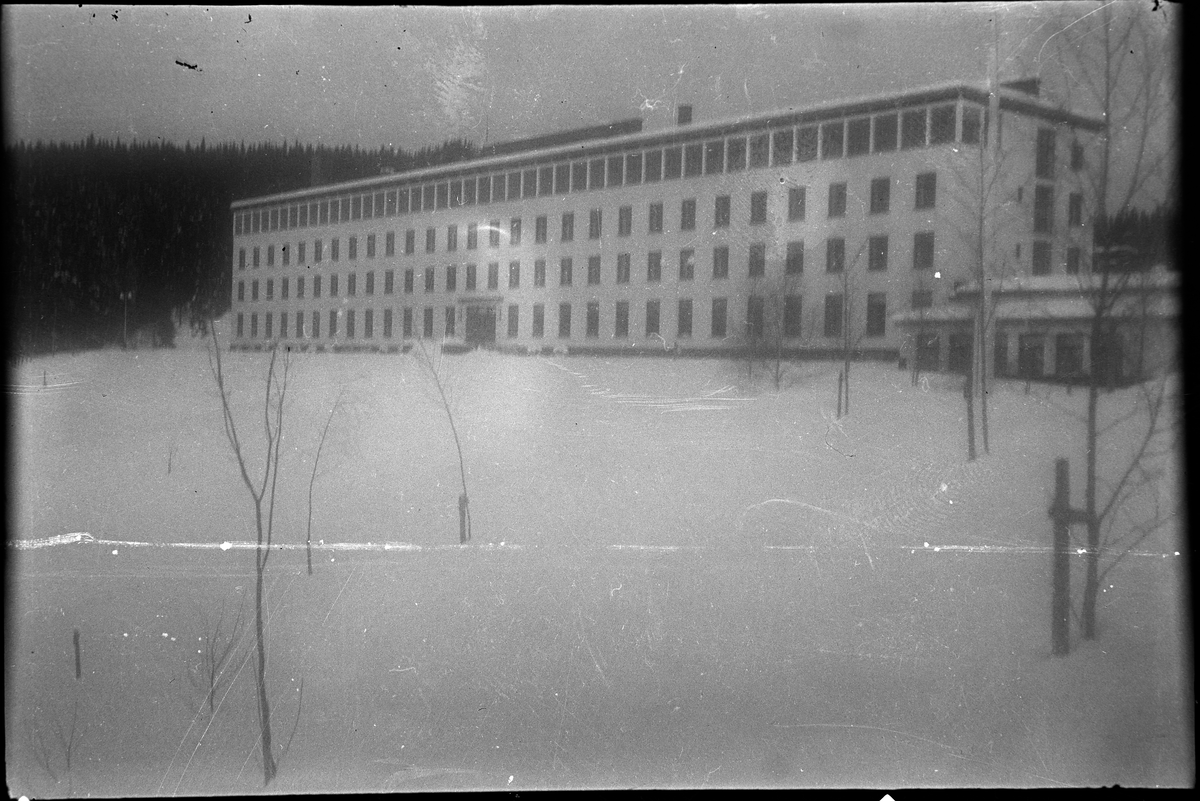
(109, 237)
(1150, 236)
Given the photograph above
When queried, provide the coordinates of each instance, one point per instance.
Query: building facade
(810, 229)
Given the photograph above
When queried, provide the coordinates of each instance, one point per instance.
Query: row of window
(880, 133)
(786, 316)
(877, 249)
(925, 197)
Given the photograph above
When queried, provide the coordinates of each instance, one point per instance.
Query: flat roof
(624, 135)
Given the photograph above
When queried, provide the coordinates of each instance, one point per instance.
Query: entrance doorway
(481, 325)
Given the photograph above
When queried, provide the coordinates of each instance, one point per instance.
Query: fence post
(1060, 605)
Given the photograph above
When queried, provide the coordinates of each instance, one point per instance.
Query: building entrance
(481, 325)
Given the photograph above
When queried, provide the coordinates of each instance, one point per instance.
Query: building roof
(623, 135)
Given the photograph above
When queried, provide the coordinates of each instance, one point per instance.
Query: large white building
(702, 237)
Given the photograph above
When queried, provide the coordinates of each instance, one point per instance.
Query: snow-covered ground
(678, 577)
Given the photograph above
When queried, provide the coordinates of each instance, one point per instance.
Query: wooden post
(1060, 605)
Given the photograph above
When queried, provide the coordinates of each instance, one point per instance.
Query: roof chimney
(685, 115)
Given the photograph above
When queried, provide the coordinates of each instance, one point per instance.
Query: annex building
(806, 228)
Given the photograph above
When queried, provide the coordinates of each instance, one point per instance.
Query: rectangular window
(429, 281)
(450, 319)
(693, 156)
(451, 278)
(1045, 153)
(623, 262)
(652, 315)
(832, 135)
(922, 298)
(389, 244)
(621, 319)
(972, 124)
(410, 242)
(546, 181)
(755, 327)
(687, 264)
(389, 282)
(736, 154)
(300, 287)
(942, 124)
(1075, 209)
(837, 200)
(833, 314)
(350, 324)
(795, 258)
(655, 225)
(257, 256)
(371, 282)
(672, 163)
(807, 143)
(472, 236)
(1073, 254)
(529, 183)
(254, 290)
(654, 266)
(564, 271)
(285, 255)
(333, 249)
(683, 320)
(596, 174)
(881, 195)
(877, 313)
(428, 322)
(564, 321)
(926, 190)
(314, 330)
(539, 230)
(593, 270)
(885, 132)
(858, 136)
(408, 282)
(796, 203)
(333, 327)
(370, 246)
(241, 294)
(270, 289)
(835, 254)
(720, 308)
(324, 212)
(430, 240)
(568, 226)
(595, 224)
(241, 258)
(316, 286)
(579, 176)
(562, 178)
(300, 252)
(299, 325)
(352, 248)
(470, 283)
(923, 250)
(451, 238)
(1041, 258)
(539, 272)
(1076, 156)
(514, 275)
(877, 253)
(494, 275)
(782, 152)
(721, 212)
(514, 320)
(356, 207)
(791, 315)
(402, 200)
(593, 319)
(406, 323)
(758, 208)
(760, 150)
(351, 284)
(333, 285)
(1043, 209)
(514, 231)
(720, 262)
(539, 321)
(494, 233)
(625, 221)
(653, 166)
(616, 170)
(270, 255)
(912, 129)
(633, 168)
(758, 259)
(687, 215)
(387, 323)
(456, 198)
(254, 326)
(714, 157)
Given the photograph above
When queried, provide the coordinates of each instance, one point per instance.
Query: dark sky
(415, 77)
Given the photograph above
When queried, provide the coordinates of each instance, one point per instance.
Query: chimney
(685, 114)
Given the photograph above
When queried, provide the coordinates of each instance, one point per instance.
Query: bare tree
(207, 674)
(1121, 59)
(313, 480)
(850, 341)
(777, 293)
(433, 364)
(262, 494)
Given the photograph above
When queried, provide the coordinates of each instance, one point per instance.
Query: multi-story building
(809, 228)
